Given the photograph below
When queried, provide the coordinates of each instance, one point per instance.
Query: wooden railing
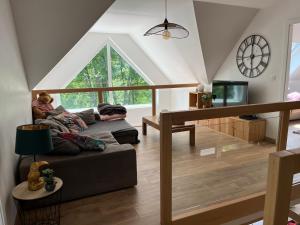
(227, 211)
(280, 190)
(100, 91)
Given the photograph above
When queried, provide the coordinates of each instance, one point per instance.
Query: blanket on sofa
(108, 109)
(84, 142)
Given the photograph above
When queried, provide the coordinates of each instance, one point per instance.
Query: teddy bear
(42, 105)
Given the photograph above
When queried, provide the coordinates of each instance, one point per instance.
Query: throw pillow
(60, 109)
(73, 122)
(87, 116)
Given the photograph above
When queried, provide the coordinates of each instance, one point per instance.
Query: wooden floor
(217, 169)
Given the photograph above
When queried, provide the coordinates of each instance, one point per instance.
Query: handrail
(100, 91)
(227, 212)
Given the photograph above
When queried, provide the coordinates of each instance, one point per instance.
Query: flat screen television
(229, 93)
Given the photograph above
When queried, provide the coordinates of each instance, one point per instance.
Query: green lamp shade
(33, 140)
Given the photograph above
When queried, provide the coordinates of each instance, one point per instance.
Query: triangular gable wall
(82, 53)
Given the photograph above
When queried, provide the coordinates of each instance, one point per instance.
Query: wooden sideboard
(248, 130)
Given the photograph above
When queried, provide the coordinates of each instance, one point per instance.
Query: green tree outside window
(96, 74)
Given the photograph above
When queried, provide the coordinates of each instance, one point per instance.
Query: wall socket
(1, 214)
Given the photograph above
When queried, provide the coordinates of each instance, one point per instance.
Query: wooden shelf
(195, 100)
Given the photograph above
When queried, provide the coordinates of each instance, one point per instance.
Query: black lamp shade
(176, 31)
(33, 140)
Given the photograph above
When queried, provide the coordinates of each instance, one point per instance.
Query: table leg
(144, 128)
(192, 136)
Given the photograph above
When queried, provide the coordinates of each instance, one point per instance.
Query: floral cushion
(73, 122)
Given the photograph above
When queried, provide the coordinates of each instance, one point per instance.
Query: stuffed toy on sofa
(42, 105)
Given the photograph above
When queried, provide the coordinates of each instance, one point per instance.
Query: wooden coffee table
(153, 121)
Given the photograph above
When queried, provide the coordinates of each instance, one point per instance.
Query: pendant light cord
(166, 9)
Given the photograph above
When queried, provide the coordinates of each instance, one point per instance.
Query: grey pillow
(60, 109)
(87, 116)
(64, 147)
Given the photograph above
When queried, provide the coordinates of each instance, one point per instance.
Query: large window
(107, 69)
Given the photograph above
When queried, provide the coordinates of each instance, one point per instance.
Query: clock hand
(255, 56)
(252, 50)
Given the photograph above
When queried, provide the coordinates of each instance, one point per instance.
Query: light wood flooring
(217, 169)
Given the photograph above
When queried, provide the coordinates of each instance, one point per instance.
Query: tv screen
(230, 93)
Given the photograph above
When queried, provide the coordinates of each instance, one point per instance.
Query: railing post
(153, 101)
(279, 188)
(100, 96)
(165, 169)
(283, 130)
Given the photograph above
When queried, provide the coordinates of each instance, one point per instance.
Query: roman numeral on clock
(262, 63)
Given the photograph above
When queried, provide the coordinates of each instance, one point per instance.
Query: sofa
(94, 172)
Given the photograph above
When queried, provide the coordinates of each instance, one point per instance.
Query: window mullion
(109, 73)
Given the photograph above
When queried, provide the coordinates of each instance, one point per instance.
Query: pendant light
(168, 30)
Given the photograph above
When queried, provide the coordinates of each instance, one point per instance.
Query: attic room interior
(131, 112)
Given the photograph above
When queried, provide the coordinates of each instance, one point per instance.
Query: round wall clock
(253, 56)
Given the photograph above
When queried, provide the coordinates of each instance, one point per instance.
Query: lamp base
(35, 182)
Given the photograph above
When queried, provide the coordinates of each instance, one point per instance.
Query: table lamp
(34, 140)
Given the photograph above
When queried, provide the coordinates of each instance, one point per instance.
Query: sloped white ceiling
(220, 27)
(47, 30)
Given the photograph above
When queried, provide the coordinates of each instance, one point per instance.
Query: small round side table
(38, 207)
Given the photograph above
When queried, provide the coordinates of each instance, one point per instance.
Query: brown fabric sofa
(90, 173)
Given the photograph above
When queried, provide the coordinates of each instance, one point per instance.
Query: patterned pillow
(87, 116)
(73, 122)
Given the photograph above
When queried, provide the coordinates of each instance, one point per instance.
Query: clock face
(253, 56)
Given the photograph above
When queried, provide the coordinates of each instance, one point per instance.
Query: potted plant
(50, 183)
(207, 100)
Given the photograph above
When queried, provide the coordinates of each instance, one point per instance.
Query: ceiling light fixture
(168, 30)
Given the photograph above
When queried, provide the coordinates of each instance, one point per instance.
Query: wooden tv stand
(248, 130)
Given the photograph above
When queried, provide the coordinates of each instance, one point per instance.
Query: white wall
(272, 23)
(15, 107)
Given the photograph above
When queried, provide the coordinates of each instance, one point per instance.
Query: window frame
(108, 45)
